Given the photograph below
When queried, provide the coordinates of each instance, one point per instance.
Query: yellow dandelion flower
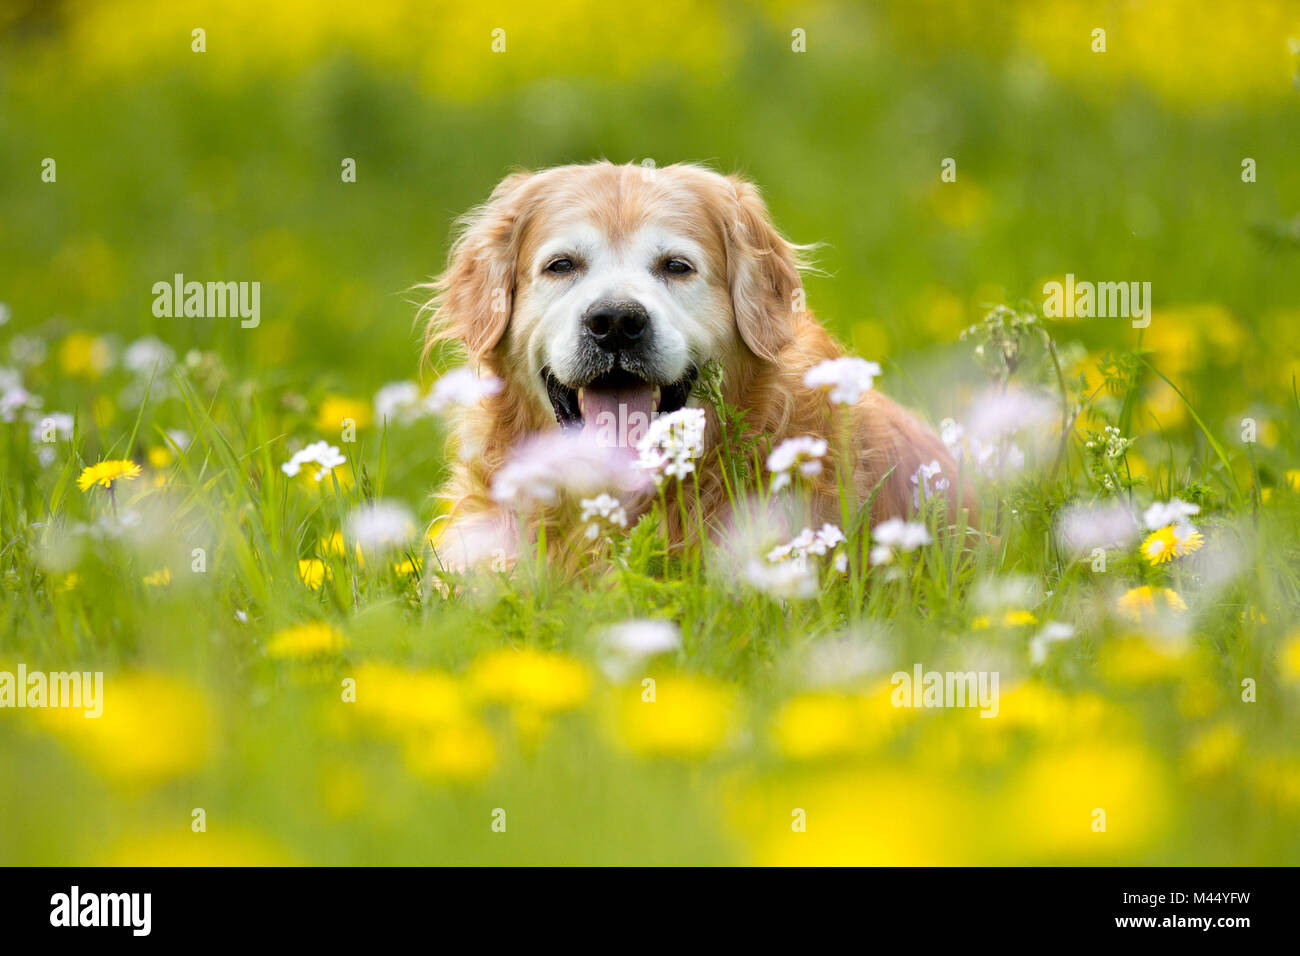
(401, 701)
(159, 579)
(1288, 658)
(408, 568)
(1214, 751)
(314, 639)
(153, 728)
(1010, 618)
(336, 411)
(1171, 541)
(160, 456)
(107, 472)
(684, 717)
(1054, 806)
(547, 682)
(82, 355)
(334, 546)
(313, 572)
(854, 818)
(226, 847)
(815, 725)
(463, 751)
(1138, 604)
(1160, 546)
(1188, 541)
(1277, 781)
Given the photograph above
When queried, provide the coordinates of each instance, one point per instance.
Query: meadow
(289, 679)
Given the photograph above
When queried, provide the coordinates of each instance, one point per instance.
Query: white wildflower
(897, 535)
(789, 580)
(381, 526)
(57, 424)
(804, 453)
(925, 481)
(672, 443)
(809, 542)
(399, 403)
(1083, 528)
(320, 453)
(847, 378)
(642, 637)
(462, 386)
(1053, 633)
(1161, 514)
(997, 414)
(146, 354)
(602, 513)
(15, 400)
(28, 349)
(548, 466)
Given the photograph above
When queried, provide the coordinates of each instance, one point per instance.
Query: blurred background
(1122, 165)
(1117, 165)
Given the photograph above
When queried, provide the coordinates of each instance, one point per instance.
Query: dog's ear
(763, 273)
(472, 300)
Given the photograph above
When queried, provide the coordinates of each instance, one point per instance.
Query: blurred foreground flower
(107, 472)
(153, 727)
(676, 717)
(786, 580)
(463, 752)
(1085, 527)
(313, 572)
(1288, 658)
(544, 469)
(1142, 603)
(313, 639)
(225, 848)
(897, 535)
(381, 526)
(818, 725)
(336, 410)
(1098, 799)
(857, 818)
(627, 644)
(535, 679)
(847, 379)
(462, 386)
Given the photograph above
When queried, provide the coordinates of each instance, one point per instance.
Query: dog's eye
(676, 266)
(561, 266)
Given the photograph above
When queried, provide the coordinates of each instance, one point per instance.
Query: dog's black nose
(616, 325)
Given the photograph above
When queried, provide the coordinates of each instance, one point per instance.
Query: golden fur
(778, 338)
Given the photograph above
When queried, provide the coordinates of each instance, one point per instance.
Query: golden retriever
(592, 288)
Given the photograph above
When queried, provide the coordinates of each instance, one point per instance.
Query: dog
(594, 287)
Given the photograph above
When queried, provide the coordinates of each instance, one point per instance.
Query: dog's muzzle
(617, 390)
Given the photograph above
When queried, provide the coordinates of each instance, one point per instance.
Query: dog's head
(601, 290)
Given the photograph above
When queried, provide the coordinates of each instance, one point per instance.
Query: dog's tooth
(656, 396)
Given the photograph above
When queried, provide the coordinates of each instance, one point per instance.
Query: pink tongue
(617, 417)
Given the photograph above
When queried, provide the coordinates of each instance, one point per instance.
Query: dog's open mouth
(616, 408)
